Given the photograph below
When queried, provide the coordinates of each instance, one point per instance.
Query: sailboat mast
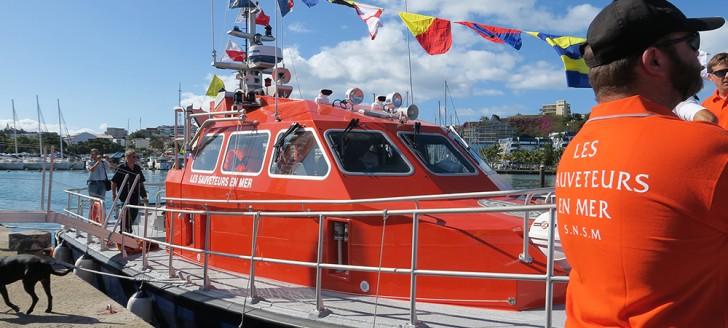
(444, 87)
(60, 126)
(15, 128)
(40, 132)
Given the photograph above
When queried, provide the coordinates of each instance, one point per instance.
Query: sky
(116, 63)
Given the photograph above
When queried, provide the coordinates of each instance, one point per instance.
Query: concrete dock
(75, 304)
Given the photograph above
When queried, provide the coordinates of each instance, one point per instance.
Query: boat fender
(62, 253)
(142, 305)
(95, 212)
(85, 262)
(538, 233)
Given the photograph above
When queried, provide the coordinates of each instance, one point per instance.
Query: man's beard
(684, 77)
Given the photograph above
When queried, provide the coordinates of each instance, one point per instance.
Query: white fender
(62, 253)
(539, 235)
(142, 305)
(85, 262)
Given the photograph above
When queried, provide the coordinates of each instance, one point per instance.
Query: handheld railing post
(205, 275)
(550, 268)
(50, 179)
(145, 261)
(251, 281)
(320, 309)
(413, 276)
(524, 256)
(79, 211)
(172, 274)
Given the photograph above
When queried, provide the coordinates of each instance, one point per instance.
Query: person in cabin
(97, 167)
(642, 206)
(138, 194)
(718, 102)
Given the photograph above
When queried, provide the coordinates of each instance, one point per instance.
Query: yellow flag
(216, 85)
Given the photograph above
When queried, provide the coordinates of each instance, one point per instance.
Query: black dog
(31, 269)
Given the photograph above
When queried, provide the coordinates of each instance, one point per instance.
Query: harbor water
(20, 190)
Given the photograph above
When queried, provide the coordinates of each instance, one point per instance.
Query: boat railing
(413, 271)
(79, 203)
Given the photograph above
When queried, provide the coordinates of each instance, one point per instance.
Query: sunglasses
(693, 40)
(720, 74)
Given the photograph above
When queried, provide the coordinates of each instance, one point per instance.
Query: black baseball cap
(626, 27)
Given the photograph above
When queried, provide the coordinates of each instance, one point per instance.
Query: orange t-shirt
(642, 202)
(719, 107)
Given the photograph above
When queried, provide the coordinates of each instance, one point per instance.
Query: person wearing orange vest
(718, 102)
(642, 196)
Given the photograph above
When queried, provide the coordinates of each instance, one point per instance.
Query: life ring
(95, 212)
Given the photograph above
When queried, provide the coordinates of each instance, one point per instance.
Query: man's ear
(655, 62)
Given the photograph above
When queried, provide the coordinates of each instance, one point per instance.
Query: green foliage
(28, 143)
(491, 154)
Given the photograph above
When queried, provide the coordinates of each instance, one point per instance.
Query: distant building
(151, 132)
(509, 145)
(168, 130)
(486, 132)
(560, 108)
(140, 143)
(561, 139)
(81, 137)
(117, 133)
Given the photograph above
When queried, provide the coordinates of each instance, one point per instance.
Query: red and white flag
(371, 16)
(234, 52)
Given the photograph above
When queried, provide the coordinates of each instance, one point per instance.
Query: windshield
(366, 152)
(245, 153)
(207, 152)
(299, 155)
(437, 153)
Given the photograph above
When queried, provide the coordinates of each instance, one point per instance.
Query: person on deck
(718, 102)
(642, 195)
(118, 187)
(97, 168)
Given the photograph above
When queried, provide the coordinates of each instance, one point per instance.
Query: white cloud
(298, 27)
(540, 75)
(31, 125)
(472, 114)
(488, 92)
(715, 41)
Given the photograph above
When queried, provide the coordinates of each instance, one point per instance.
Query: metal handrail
(369, 200)
(548, 277)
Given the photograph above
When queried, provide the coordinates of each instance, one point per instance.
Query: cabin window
(437, 154)
(245, 152)
(207, 152)
(366, 152)
(299, 155)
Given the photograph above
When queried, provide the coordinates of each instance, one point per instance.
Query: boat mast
(40, 133)
(60, 126)
(15, 128)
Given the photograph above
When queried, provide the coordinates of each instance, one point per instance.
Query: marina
(307, 186)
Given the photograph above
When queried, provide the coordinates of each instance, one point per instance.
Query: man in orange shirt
(718, 102)
(642, 197)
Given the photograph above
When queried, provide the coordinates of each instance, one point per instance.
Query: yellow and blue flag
(568, 49)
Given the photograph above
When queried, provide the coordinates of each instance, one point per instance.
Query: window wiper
(291, 129)
(352, 124)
